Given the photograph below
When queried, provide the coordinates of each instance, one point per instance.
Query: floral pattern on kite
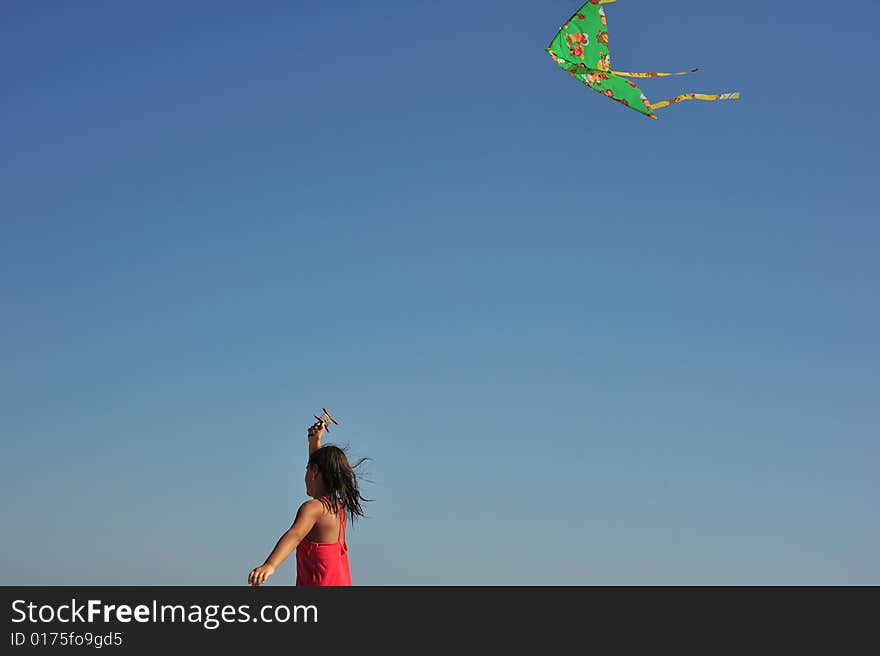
(589, 60)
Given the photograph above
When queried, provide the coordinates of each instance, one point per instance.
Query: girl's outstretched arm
(306, 516)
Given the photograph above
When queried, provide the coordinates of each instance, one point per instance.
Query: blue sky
(580, 346)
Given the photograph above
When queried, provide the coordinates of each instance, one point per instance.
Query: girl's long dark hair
(340, 479)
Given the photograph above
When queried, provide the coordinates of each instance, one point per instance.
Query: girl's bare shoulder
(311, 507)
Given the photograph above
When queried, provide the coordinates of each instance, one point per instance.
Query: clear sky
(579, 345)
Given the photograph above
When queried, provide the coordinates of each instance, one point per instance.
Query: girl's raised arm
(316, 434)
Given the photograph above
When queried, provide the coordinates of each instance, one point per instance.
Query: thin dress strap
(341, 536)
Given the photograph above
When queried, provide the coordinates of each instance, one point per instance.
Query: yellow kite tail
(628, 74)
(695, 96)
(605, 2)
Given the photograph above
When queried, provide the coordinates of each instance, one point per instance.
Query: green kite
(581, 49)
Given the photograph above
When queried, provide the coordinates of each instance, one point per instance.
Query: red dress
(324, 563)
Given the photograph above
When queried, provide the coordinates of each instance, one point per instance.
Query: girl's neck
(320, 492)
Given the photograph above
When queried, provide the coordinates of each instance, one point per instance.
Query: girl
(318, 532)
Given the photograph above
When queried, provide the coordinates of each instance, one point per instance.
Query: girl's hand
(316, 433)
(259, 574)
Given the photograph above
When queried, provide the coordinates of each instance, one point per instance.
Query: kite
(581, 49)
